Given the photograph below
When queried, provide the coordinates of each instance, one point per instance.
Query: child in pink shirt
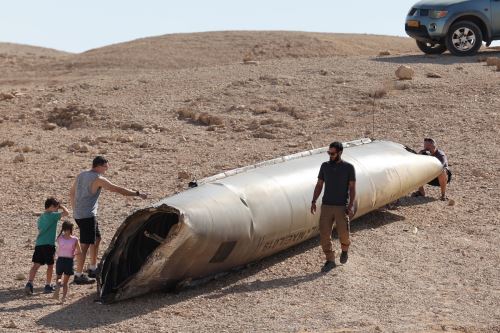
(67, 247)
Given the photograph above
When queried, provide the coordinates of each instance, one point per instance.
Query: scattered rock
(20, 276)
(19, 158)
(7, 143)
(250, 62)
(2, 241)
(384, 53)
(405, 73)
(124, 139)
(102, 139)
(414, 230)
(27, 149)
(10, 324)
(323, 72)
(78, 148)
(6, 96)
(144, 145)
(492, 61)
(433, 75)
(49, 126)
(451, 202)
(183, 175)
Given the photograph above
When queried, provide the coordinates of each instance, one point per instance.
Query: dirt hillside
(165, 110)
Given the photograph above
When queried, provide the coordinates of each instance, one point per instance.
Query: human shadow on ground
(375, 219)
(411, 201)
(91, 314)
(442, 59)
(10, 294)
(37, 300)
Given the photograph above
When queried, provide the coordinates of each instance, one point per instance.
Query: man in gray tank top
(84, 196)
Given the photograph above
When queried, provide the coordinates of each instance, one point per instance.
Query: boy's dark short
(64, 266)
(44, 254)
(89, 230)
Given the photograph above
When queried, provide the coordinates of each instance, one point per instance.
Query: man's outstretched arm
(107, 185)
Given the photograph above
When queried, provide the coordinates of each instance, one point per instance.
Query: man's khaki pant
(329, 214)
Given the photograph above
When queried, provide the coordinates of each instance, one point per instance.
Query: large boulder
(405, 73)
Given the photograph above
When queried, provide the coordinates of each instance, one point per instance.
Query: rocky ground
(169, 109)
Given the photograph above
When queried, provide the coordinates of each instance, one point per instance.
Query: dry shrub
(204, 118)
(253, 125)
(7, 143)
(492, 61)
(270, 79)
(268, 121)
(378, 93)
(72, 116)
(249, 56)
(200, 117)
(401, 85)
(185, 113)
(291, 110)
(262, 134)
(260, 111)
(215, 120)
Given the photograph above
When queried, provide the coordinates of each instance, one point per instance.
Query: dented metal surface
(246, 214)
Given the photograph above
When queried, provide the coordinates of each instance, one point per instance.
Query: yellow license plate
(413, 23)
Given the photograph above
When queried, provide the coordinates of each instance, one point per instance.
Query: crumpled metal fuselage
(247, 214)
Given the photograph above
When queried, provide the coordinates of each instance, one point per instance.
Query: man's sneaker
(28, 289)
(48, 289)
(417, 194)
(343, 257)
(328, 266)
(92, 273)
(83, 279)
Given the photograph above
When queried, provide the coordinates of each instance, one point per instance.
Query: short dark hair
(51, 202)
(337, 145)
(99, 161)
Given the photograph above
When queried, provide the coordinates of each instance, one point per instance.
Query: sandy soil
(129, 101)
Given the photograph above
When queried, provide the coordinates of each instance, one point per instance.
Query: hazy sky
(77, 26)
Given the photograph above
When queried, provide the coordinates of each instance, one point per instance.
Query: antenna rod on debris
(373, 117)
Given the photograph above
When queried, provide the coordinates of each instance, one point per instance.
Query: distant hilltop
(176, 51)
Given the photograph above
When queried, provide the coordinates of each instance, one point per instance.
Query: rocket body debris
(246, 214)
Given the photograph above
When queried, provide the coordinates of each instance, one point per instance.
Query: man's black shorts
(89, 230)
(435, 181)
(44, 254)
(64, 266)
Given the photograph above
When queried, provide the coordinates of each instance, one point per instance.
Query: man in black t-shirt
(339, 179)
(444, 177)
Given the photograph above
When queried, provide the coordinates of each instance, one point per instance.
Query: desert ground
(166, 110)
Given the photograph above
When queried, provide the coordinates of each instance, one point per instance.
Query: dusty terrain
(169, 109)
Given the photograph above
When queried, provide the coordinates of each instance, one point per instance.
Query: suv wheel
(464, 38)
(429, 48)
